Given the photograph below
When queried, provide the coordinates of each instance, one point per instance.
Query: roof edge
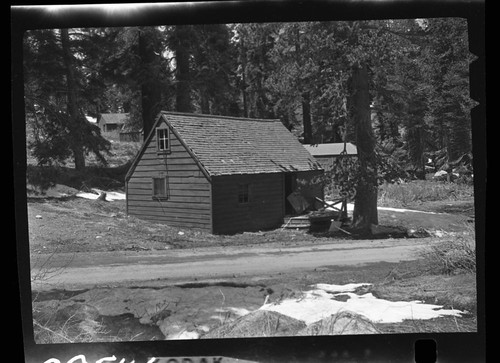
(218, 116)
(141, 150)
(146, 142)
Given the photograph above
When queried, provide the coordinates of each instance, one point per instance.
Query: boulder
(342, 323)
(76, 313)
(259, 323)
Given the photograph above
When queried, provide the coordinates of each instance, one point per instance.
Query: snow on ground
(350, 208)
(320, 303)
(236, 311)
(339, 288)
(110, 196)
(184, 335)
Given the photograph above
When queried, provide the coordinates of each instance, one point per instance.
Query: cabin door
(290, 185)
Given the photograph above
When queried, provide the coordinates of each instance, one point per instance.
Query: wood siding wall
(188, 203)
(264, 210)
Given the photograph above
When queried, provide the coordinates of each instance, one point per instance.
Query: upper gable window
(162, 140)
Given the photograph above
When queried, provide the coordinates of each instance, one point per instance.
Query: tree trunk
(74, 119)
(204, 101)
(416, 135)
(365, 202)
(459, 137)
(306, 117)
(182, 72)
(150, 85)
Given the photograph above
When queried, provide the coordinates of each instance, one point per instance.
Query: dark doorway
(290, 185)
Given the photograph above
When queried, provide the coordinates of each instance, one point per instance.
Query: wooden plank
(172, 223)
(197, 217)
(174, 199)
(167, 168)
(173, 160)
(173, 192)
(177, 173)
(142, 187)
(150, 203)
(151, 148)
(136, 180)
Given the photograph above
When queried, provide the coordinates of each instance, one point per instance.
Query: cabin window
(162, 139)
(160, 188)
(243, 194)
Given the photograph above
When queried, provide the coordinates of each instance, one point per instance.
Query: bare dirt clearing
(72, 229)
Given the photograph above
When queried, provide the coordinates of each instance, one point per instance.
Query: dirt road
(84, 270)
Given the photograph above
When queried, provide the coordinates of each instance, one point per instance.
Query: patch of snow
(184, 335)
(319, 303)
(339, 288)
(350, 208)
(237, 311)
(204, 328)
(87, 195)
(110, 196)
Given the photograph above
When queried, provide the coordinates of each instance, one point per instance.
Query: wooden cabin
(220, 174)
(112, 122)
(327, 153)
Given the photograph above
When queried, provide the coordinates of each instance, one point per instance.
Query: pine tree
(55, 98)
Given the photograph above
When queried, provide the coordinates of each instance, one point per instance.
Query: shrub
(452, 257)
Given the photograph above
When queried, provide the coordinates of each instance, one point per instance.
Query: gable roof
(113, 118)
(331, 149)
(231, 145)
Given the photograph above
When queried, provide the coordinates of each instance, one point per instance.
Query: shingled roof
(113, 118)
(231, 145)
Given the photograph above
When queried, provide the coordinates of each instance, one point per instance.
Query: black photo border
(453, 347)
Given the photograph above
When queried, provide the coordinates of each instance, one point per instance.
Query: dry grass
(420, 191)
(454, 256)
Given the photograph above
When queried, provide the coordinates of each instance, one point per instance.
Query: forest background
(398, 89)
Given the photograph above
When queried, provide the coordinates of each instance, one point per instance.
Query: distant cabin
(220, 174)
(112, 122)
(326, 154)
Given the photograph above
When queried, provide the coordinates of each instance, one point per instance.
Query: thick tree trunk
(74, 118)
(150, 87)
(459, 137)
(182, 73)
(416, 135)
(306, 117)
(204, 101)
(365, 202)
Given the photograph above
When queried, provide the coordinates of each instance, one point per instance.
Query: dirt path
(83, 270)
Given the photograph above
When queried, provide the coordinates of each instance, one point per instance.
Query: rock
(417, 233)
(38, 216)
(259, 323)
(343, 323)
(76, 313)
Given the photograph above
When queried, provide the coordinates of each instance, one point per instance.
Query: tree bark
(150, 85)
(74, 118)
(183, 90)
(204, 101)
(306, 117)
(365, 201)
